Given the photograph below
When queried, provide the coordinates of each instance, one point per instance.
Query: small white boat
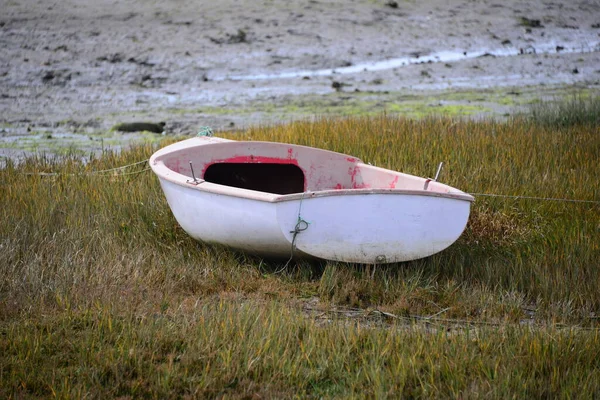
(278, 200)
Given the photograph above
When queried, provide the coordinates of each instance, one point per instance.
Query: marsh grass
(577, 109)
(246, 349)
(103, 295)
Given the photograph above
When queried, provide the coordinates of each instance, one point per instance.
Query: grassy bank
(246, 348)
(102, 294)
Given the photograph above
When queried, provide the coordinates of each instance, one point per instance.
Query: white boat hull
(246, 224)
(374, 228)
(362, 225)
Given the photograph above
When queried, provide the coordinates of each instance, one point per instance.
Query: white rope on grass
(133, 173)
(102, 172)
(110, 170)
(517, 197)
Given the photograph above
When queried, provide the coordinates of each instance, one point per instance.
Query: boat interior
(282, 169)
(264, 177)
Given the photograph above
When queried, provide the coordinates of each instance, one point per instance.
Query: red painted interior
(266, 174)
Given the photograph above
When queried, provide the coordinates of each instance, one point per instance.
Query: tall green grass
(103, 295)
(565, 112)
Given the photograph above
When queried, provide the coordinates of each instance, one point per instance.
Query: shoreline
(80, 69)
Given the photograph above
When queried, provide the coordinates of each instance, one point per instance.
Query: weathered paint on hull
(361, 228)
(349, 211)
(245, 224)
(375, 228)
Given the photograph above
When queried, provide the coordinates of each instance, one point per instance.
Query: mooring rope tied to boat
(518, 197)
(106, 172)
(120, 168)
(301, 225)
(109, 170)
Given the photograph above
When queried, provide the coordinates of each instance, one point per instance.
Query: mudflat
(79, 67)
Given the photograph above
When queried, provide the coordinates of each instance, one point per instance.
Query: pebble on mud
(338, 86)
(530, 23)
(240, 37)
(48, 76)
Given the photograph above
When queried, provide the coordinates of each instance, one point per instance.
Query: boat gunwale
(209, 187)
(163, 172)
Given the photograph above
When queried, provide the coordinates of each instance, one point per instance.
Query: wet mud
(72, 70)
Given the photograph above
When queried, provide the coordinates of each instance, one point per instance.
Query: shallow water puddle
(441, 56)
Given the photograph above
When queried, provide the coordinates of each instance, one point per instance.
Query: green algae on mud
(474, 103)
(345, 104)
(39, 141)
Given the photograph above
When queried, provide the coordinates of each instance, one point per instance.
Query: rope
(535, 198)
(205, 131)
(91, 173)
(135, 172)
(301, 225)
(118, 168)
(434, 320)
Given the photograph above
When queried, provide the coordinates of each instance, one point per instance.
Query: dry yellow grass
(103, 295)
